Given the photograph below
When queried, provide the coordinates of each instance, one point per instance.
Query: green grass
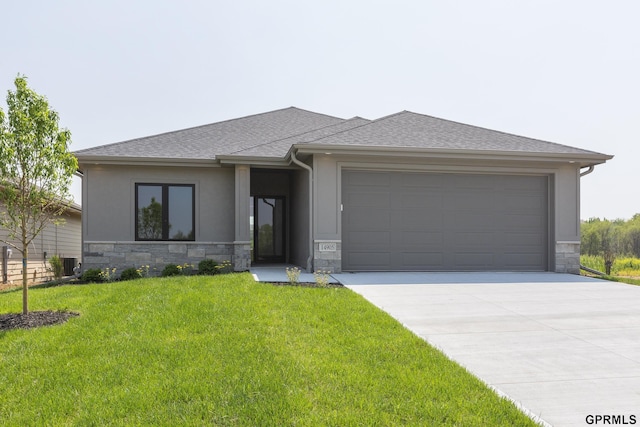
(626, 266)
(623, 270)
(224, 350)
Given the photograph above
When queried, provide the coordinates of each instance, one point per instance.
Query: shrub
(322, 278)
(186, 269)
(225, 267)
(108, 275)
(130, 273)
(293, 275)
(93, 275)
(56, 266)
(171, 270)
(143, 271)
(208, 267)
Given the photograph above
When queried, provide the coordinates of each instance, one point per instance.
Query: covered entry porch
(278, 220)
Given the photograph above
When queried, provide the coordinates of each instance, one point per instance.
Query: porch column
(242, 242)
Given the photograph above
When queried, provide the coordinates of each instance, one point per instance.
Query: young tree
(36, 169)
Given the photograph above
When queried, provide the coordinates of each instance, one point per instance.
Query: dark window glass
(165, 212)
(180, 213)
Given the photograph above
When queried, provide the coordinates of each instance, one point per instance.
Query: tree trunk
(25, 287)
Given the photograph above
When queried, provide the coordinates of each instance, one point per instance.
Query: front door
(269, 229)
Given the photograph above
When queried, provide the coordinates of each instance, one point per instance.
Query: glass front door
(268, 229)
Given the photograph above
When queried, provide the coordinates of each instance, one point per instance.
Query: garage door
(400, 221)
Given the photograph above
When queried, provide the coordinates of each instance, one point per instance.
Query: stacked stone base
(156, 255)
(328, 260)
(568, 257)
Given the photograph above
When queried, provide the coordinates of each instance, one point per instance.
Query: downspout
(588, 171)
(307, 167)
(582, 267)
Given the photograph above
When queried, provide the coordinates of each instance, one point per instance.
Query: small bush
(293, 275)
(56, 266)
(171, 270)
(207, 267)
(186, 269)
(322, 278)
(225, 267)
(93, 275)
(130, 274)
(109, 274)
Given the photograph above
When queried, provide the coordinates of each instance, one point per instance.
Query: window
(165, 212)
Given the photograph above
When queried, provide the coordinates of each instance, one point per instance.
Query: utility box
(69, 264)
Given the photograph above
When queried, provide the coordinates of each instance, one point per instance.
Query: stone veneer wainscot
(156, 255)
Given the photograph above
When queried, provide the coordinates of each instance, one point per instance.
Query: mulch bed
(34, 319)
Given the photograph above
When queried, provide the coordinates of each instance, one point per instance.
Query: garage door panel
(515, 239)
(524, 183)
(473, 239)
(526, 222)
(372, 199)
(367, 238)
(469, 221)
(369, 260)
(437, 221)
(370, 179)
(417, 219)
(475, 260)
(522, 202)
(416, 260)
(421, 181)
(463, 181)
(523, 261)
(424, 239)
(421, 199)
(480, 200)
(366, 219)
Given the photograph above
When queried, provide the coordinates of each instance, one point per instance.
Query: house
(400, 193)
(63, 240)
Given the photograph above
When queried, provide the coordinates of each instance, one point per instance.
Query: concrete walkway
(278, 274)
(565, 348)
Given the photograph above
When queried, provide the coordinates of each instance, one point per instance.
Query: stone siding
(157, 255)
(568, 257)
(330, 261)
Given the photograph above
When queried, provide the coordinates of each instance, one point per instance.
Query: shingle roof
(412, 130)
(271, 135)
(208, 141)
(281, 147)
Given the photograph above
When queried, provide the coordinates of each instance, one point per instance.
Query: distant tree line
(611, 239)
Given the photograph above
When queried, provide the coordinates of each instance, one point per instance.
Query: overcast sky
(563, 71)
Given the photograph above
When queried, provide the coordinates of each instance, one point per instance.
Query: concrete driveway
(565, 348)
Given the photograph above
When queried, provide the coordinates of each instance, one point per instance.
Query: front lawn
(224, 350)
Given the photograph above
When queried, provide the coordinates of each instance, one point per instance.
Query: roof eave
(144, 161)
(252, 160)
(583, 159)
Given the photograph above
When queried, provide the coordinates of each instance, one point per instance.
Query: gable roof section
(412, 130)
(208, 141)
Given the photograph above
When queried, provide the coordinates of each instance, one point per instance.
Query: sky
(562, 71)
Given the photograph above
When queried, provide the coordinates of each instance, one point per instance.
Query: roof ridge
(200, 126)
(498, 131)
(292, 136)
(370, 122)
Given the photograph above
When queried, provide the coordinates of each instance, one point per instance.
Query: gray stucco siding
(109, 199)
(109, 223)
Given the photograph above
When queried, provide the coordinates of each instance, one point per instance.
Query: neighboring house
(404, 192)
(64, 240)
